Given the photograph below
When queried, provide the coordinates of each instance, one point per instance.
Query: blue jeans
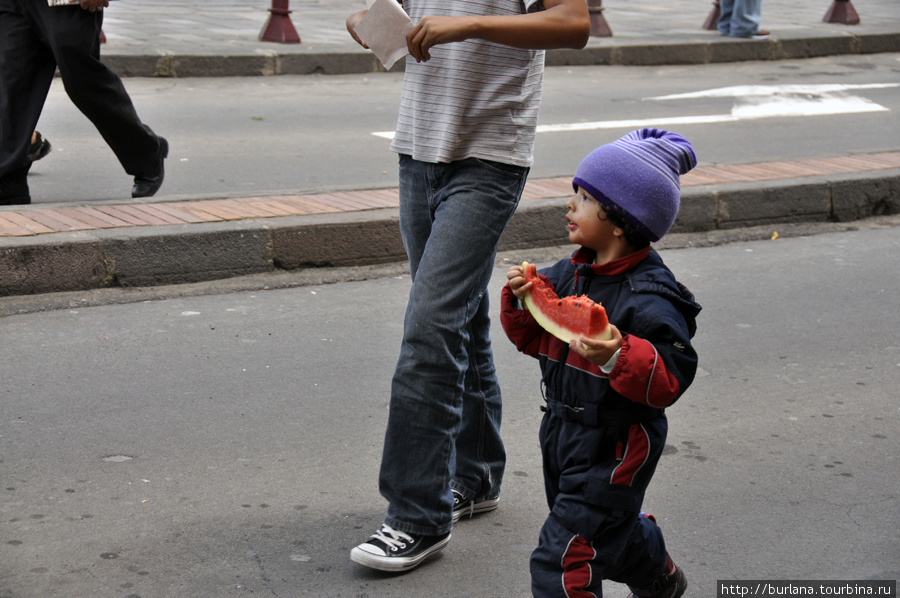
(740, 18)
(444, 423)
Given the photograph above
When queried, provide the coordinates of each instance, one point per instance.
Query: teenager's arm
(563, 24)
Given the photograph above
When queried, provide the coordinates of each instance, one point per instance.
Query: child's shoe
(671, 584)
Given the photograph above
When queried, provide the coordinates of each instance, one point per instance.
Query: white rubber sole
(476, 508)
(393, 563)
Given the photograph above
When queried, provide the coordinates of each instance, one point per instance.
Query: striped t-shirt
(473, 99)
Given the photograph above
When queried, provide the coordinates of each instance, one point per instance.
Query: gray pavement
(206, 38)
(227, 446)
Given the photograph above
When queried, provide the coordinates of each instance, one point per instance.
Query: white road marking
(752, 102)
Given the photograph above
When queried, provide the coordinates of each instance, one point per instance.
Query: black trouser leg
(74, 38)
(26, 71)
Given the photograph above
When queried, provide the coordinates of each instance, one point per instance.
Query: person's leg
(26, 71)
(726, 9)
(480, 456)
(746, 18)
(452, 216)
(74, 38)
(627, 547)
(650, 573)
(594, 531)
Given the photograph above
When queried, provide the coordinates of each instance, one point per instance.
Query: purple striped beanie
(638, 174)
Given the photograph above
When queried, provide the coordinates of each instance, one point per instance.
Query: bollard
(599, 26)
(712, 21)
(842, 11)
(279, 27)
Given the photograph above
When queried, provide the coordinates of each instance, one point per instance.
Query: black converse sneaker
(392, 550)
(463, 505)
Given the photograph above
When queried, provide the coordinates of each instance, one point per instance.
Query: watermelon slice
(567, 318)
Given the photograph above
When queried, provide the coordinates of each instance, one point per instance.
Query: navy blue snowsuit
(602, 435)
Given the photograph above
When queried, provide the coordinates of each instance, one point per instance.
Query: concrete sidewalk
(55, 248)
(220, 37)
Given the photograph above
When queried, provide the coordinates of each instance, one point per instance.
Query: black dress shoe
(148, 186)
(40, 148)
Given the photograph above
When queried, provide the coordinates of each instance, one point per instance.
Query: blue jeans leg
(740, 18)
(480, 456)
(445, 404)
(726, 7)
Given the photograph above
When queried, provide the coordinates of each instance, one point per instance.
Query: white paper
(384, 30)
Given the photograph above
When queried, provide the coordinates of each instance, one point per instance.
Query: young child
(604, 426)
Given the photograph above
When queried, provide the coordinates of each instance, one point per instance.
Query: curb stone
(624, 53)
(164, 255)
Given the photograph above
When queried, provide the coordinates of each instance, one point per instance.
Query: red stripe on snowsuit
(641, 375)
(636, 453)
(576, 570)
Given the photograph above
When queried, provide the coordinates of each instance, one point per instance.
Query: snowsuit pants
(595, 479)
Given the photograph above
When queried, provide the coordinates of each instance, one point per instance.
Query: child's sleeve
(656, 370)
(519, 325)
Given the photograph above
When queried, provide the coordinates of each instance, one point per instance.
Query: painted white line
(753, 102)
(778, 106)
(631, 124)
(746, 91)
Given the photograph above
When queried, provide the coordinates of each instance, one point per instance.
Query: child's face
(587, 221)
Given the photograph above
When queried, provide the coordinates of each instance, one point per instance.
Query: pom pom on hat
(638, 175)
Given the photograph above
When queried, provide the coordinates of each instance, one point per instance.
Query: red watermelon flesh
(567, 318)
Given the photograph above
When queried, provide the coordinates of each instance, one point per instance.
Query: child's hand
(596, 351)
(517, 284)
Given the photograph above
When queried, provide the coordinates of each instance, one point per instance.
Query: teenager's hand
(352, 21)
(564, 24)
(598, 352)
(431, 31)
(517, 284)
(94, 5)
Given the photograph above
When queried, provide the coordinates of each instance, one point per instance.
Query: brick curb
(175, 254)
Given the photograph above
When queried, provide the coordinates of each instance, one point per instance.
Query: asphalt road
(227, 445)
(266, 135)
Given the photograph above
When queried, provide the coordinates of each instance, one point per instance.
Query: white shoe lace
(461, 508)
(395, 540)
